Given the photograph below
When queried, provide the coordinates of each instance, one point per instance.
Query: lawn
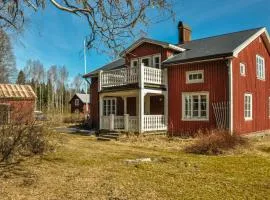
(83, 168)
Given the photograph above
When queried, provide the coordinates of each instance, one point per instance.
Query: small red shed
(17, 103)
(80, 103)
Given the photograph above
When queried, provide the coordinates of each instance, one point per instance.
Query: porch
(134, 111)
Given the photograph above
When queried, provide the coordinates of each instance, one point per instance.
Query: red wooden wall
(260, 89)
(22, 111)
(94, 106)
(215, 82)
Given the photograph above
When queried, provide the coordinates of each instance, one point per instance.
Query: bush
(215, 142)
(71, 119)
(22, 140)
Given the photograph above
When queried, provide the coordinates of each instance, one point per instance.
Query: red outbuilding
(215, 82)
(17, 103)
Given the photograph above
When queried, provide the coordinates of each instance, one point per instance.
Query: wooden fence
(221, 111)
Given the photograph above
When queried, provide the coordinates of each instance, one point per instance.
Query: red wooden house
(17, 103)
(215, 82)
(80, 103)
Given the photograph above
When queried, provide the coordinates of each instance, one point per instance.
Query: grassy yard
(83, 168)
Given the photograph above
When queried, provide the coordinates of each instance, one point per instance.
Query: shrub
(73, 119)
(215, 142)
(22, 140)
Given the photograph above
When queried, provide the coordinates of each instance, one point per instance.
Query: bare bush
(215, 142)
(22, 140)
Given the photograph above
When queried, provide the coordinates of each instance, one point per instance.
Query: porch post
(100, 110)
(126, 125)
(100, 80)
(111, 122)
(141, 110)
(166, 107)
(125, 105)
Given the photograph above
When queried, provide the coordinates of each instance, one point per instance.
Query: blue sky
(56, 37)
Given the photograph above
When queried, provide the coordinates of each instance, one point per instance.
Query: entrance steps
(108, 135)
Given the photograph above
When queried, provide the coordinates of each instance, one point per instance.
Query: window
(260, 67)
(109, 106)
(242, 69)
(77, 102)
(146, 61)
(195, 76)
(134, 63)
(156, 61)
(195, 106)
(248, 106)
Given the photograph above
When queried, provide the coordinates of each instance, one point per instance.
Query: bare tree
(111, 22)
(77, 83)
(7, 60)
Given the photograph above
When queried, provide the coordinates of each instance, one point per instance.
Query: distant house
(80, 103)
(215, 82)
(17, 103)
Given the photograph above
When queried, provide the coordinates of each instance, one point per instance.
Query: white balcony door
(109, 106)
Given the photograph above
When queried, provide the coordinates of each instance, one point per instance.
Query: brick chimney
(184, 33)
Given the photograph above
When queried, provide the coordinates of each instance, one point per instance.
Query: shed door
(4, 113)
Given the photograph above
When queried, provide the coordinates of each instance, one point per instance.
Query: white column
(111, 122)
(165, 78)
(141, 76)
(166, 108)
(100, 110)
(100, 80)
(141, 110)
(125, 105)
(126, 120)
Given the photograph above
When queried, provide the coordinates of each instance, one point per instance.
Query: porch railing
(154, 123)
(125, 76)
(131, 123)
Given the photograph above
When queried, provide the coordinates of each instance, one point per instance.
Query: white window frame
(105, 110)
(146, 57)
(132, 62)
(77, 102)
(260, 67)
(154, 61)
(242, 69)
(191, 118)
(248, 117)
(188, 73)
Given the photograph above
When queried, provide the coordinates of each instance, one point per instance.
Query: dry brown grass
(83, 168)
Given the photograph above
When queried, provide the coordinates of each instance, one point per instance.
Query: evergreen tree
(21, 78)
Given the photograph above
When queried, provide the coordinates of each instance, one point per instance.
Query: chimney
(184, 33)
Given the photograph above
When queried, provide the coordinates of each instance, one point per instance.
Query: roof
(85, 98)
(148, 40)
(211, 47)
(120, 62)
(16, 91)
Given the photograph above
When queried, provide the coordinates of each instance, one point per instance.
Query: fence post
(126, 122)
(111, 122)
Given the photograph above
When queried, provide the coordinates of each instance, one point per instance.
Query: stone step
(103, 138)
(110, 136)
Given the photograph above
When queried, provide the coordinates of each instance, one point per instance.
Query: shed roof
(16, 91)
(85, 98)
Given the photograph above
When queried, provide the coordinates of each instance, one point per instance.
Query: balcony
(127, 76)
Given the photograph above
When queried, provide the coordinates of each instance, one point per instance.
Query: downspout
(230, 75)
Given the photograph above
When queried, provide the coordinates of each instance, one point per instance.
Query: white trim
(146, 57)
(242, 66)
(230, 75)
(263, 67)
(197, 61)
(145, 40)
(188, 73)
(132, 60)
(251, 106)
(109, 99)
(237, 50)
(154, 62)
(184, 94)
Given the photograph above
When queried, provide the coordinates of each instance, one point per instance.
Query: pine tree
(21, 78)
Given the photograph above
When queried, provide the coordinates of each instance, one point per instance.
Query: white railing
(105, 121)
(154, 123)
(119, 77)
(153, 76)
(119, 122)
(133, 123)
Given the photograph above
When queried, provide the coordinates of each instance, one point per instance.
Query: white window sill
(248, 119)
(191, 82)
(195, 119)
(261, 79)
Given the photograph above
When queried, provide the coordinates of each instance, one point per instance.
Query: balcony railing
(125, 76)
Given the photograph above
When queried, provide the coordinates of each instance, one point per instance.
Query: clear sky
(56, 37)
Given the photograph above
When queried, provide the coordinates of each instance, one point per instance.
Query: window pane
(145, 61)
